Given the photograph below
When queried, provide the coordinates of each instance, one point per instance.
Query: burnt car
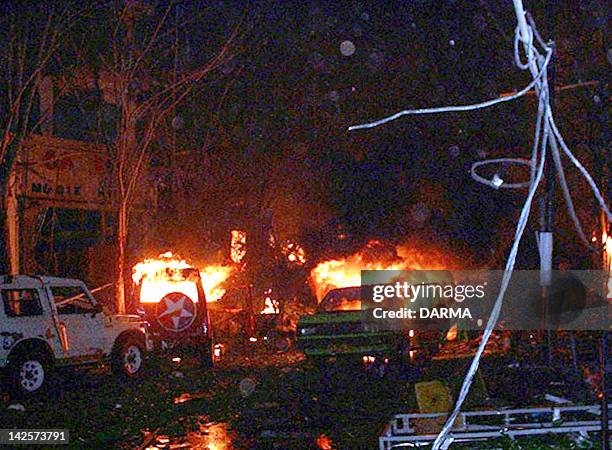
(173, 302)
(338, 330)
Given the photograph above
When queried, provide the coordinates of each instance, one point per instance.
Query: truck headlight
(306, 331)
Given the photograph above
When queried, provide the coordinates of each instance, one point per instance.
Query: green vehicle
(337, 330)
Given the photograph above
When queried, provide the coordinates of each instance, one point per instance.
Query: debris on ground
(498, 344)
(246, 386)
(267, 405)
(187, 396)
(16, 407)
(556, 399)
(432, 397)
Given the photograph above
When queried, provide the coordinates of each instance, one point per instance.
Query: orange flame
(324, 442)
(212, 278)
(160, 276)
(238, 245)
(270, 306)
(346, 272)
(607, 241)
(348, 304)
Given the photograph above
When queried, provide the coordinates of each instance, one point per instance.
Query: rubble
(186, 396)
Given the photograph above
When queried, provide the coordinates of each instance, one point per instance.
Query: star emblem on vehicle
(176, 311)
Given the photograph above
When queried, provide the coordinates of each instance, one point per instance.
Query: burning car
(337, 329)
(171, 297)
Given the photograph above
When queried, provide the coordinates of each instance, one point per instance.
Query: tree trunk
(122, 233)
(7, 264)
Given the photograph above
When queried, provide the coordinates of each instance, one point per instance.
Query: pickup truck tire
(127, 359)
(28, 374)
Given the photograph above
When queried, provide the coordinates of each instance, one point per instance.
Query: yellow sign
(63, 170)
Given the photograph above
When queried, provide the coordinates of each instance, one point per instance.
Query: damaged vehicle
(337, 330)
(171, 298)
(50, 322)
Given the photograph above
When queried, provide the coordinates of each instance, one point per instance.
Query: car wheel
(29, 374)
(128, 357)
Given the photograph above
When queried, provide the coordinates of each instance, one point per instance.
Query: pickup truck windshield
(71, 300)
(346, 299)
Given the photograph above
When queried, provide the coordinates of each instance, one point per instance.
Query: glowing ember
(348, 304)
(294, 253)
(324, 442)
(238, 245)
(368, 359)
(218, 351)
(345, 272)
(607, 242)
(271, 307)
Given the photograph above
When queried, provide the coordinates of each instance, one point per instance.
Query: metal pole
(547, 213)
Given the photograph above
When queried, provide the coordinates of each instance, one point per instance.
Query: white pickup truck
(48, 322)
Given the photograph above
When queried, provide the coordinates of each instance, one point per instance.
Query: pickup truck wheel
(128, 357)
(29, 374)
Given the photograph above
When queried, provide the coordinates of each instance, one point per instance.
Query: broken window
(345, 299)
(71, 300)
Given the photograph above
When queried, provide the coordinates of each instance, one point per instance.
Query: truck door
(81, 322)
(28, 314)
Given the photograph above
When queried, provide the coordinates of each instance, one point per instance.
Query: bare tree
(137, 72)
(31, 35)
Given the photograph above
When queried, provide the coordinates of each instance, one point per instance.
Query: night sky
(297, 85)
(275, 116)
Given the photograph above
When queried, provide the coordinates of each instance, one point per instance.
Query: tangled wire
(547, 138)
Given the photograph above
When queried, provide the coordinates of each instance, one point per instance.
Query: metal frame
(492, 424)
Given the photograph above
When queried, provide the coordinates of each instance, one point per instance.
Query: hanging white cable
(497, 182)
(537, 65)
(527, 38)
(441, 440)
(536, 139)
(517, 56)
(567, 196)
(444, 109)
(531, 32)
(580, 167)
